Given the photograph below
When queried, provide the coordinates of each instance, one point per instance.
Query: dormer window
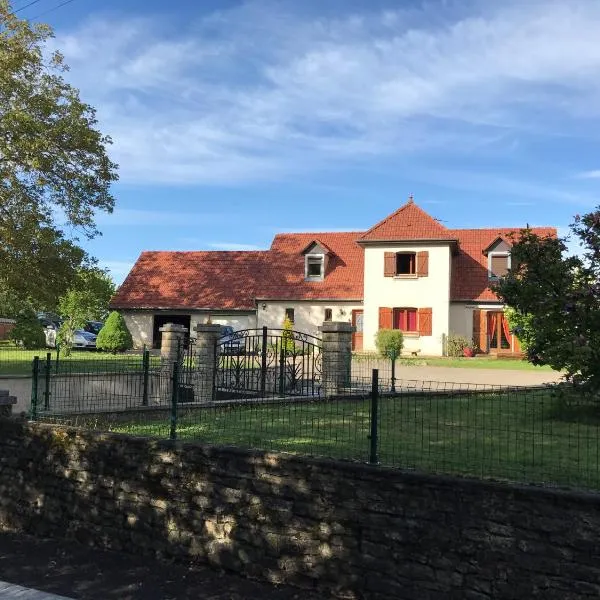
(498, 258)
(315, 266)
(316, 258)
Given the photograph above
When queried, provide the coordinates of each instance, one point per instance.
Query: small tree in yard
(555, 301)
(114, 336)
(28, 331)
(389, 343)
(287, 336)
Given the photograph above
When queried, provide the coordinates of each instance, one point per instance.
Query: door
(357, 336)
(498, 333)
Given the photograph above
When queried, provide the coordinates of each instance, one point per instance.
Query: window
(314, 266)
(328, 314)
(405, 263)
(405, 319)
(289, 314)
(498, 264)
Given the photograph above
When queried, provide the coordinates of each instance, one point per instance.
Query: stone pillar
(6, 403)
(207, 335)
(173, 338)
(336, 357)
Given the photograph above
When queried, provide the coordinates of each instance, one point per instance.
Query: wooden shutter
(385, 317)
(389, 264)
(499, 265)
(480, 329)
(425, 321)
(423, 263)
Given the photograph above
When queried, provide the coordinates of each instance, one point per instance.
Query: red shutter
(423, 263)
(425, 321)
(389, 264)
(385, 317)
(480, 329)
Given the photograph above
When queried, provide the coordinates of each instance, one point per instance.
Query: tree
(287, 336)
(28, 331)
(86, 301)
(556, 300)
(114, 336)
(389, 343)
(53, 166)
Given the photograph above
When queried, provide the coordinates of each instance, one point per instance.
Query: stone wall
(361, 531)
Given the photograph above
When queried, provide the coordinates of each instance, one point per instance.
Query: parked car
(84, 339)
(229, 343)
(94, 326)
(50, 331)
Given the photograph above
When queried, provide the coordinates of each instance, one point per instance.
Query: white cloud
(595, 174)
(258, 92)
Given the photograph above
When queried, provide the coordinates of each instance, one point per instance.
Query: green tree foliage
(53, 165)
(287, 336)
(28, 331)
(389, 343)
(522, 326)
(556, 300)
(86, 301)
(456, 344)
(114, 336)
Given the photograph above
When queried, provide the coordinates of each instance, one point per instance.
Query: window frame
(330, 311)
(287, 312)
(313, 258)
(413, 264)
(399, 310)
(508, 263)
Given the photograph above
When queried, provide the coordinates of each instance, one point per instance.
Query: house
(407, 272)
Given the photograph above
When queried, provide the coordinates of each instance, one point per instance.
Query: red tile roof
(470, 266)
(235, 280)
(409, 222)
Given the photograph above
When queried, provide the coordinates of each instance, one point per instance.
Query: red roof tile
(233, 280)
(409, 222)
(470, 266)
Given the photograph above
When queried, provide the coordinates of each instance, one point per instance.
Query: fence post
(373, 458)
(393, 375)
(34, 387)
(207, 361)
(174, 395)
(336, 357)
(282, 360)
(146, 369)
(263, 362)
(47, 368)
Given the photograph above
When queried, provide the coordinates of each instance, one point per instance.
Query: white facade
(139, 324)
(432, 291)
(308, 315)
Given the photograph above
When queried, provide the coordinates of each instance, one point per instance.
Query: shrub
(287, 336)
(28, 331)
(389, 343)
(455, 344)
(114, 336)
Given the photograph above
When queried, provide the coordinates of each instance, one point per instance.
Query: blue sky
(234, 120)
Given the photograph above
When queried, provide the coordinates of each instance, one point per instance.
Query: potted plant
(469, 350)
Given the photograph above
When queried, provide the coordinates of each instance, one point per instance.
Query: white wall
(139, 324)
(461, 319)
(432, 292)
(308, 315)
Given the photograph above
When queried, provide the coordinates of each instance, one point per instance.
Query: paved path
(81, 573)
(8, 591)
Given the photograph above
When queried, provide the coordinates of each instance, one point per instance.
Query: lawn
(478, 362)
(525, 436)
(14, 361)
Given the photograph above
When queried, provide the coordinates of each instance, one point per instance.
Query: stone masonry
(351, 529)
(336, 357)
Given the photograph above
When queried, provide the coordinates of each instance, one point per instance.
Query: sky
(232, 121)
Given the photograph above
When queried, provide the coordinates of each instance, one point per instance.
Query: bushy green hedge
(389, 343)
(28, 331)
(114, 336)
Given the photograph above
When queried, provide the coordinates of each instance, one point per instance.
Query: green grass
(526, 436)
(478, 362)
(15, 361)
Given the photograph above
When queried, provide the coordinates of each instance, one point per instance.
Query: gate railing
(268, 362)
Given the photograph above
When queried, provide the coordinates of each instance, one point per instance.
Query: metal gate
(267, 362)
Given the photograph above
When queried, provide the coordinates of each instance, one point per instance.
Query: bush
(455, 344)
(114, 336)
(28, 331)
(389, 343)
(287, 336)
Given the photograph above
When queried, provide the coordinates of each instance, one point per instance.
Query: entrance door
(162, 319)
(498, 332)
(357, 336)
